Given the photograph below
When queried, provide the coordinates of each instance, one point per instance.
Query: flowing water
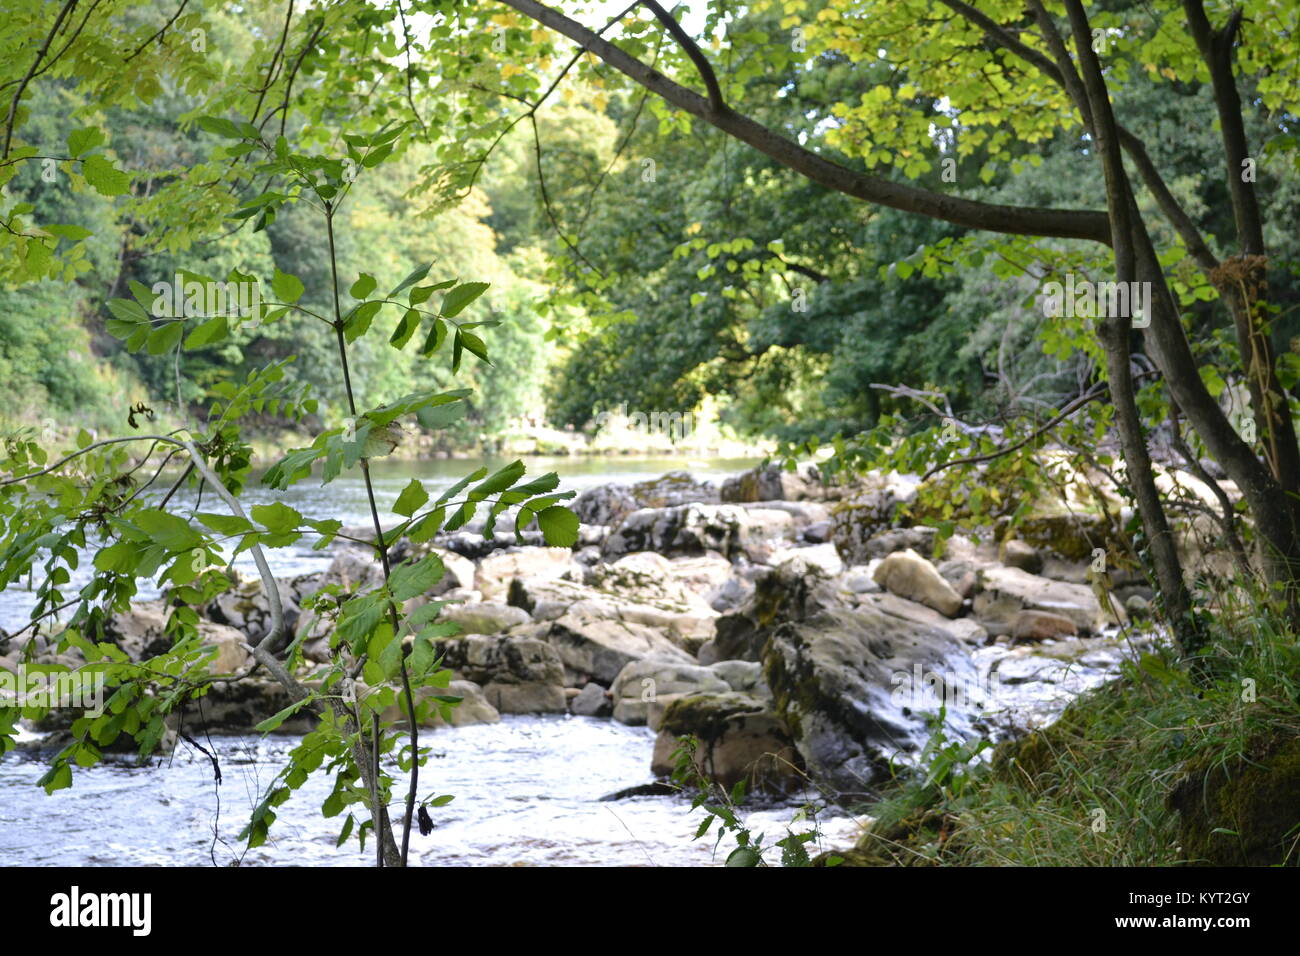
(527, 790)
(527, 793)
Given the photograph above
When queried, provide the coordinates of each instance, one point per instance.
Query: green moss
(1244, 811)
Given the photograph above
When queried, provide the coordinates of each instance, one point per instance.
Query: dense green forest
(662, 261)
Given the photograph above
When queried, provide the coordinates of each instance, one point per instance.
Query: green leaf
(440, 416)
(359, 319)
(225, 524)
(220, 126)
(559, 526)
(287, 288)
(363, 286)
(64, 231)
(499, 481)
(165, 338)
(460, 486)
(169, 530)
(406, 327)
(455, 301)
(411, 498)
(474, 344)
(412, 580)
(104, 177)
(274, 721)
(743, 856)
(213, 330)
(84, 140)
(277, 517)
(410, 280)
(433, 341)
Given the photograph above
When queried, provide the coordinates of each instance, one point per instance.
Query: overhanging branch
(991, 217)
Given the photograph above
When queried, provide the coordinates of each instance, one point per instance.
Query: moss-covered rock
(873, 508)
(1072, 535)
(1244, 811)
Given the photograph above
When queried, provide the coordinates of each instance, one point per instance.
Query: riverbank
(805, 634)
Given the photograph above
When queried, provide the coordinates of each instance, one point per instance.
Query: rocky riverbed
(797, 630)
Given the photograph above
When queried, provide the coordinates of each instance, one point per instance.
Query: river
(527, 790)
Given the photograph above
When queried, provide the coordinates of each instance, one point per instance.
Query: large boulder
(911, 576)
(739, 739)
(696, 529)
(743, 633)
(604, 504)
(773, 483)
(488, 617)
(871, 509)
(641, 588)
(673, 489)
(641, 683)
(1002, 593)
(237, 707)
(474, 707)
(591, 701)
(597, 649)
(497, 571)
(140, 633)
(609, 504)
(821, 559)
(836, 679)
(519, 673)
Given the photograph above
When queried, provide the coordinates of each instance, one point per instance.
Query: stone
(233, 654)
(1018, 554)
(497, 571)
(598, 649)
(641, 682)
(673, 489)
(519, 674)
(591, 701)
(745, 677)
(141, 633)
(872, 507)
(473, 708)
(237, 707)
(696, 529)
(640, 588)
(836, 677)
(604, 504)
(1004, 592)
(528, 697)
(1041, 626)
(963, 629)
(488, 617)
(1138, 607)
(820, 559)
(919, 539)
(739, 739)
(773, 483)
(246, 607)
(911, 576)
